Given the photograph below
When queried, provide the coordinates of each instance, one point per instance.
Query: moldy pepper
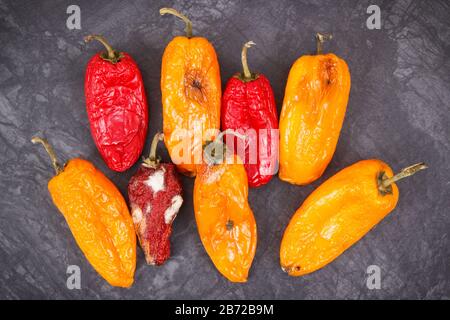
(313, 111)
(97, 215)
(191, 93)
(339, 213)
(155, 194)
(116, 106)
(225, 221)
(248, 104)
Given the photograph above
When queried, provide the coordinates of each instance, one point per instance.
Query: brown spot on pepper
(229, 224)
(194, 87)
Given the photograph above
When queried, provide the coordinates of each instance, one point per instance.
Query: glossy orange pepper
(339, 213)
(97, 215)
(191, 95)
(311, 118)
(225, 221)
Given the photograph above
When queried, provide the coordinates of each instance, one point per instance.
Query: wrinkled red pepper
(116, 106)
(155, 195)
(248, 103)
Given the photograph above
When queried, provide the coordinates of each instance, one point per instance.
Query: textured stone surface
(398, 111)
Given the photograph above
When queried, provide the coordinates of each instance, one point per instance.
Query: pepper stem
(186, 20)
(111, 54)
(153, 160)
(214, 151)
(228, 131)
(321, 38)
(384, 183)
(50, 151)
(247, 73)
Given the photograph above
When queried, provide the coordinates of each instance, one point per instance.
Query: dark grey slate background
(398, 111)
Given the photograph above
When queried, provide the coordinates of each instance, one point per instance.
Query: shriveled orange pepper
(97, 215)
(225, 221)
(191, 95)
(313, 111)
(339, 213)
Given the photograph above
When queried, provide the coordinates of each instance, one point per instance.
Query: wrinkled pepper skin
(313, 111)
(99, 220)
(117, 109)
(225, 221)
(335, 216)
(191, 96)
(155, 194)
(249, 103)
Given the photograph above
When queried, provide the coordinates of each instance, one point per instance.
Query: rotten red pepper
(248, 103)
(155, 195)
(116, 106)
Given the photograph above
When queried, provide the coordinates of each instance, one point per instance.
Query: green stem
(215, 150)
(321, 38)
(186, 20)
(247, 73)
(384, 183)
(228, 131)
(111, 54)
(50, 151)
(153, 160)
